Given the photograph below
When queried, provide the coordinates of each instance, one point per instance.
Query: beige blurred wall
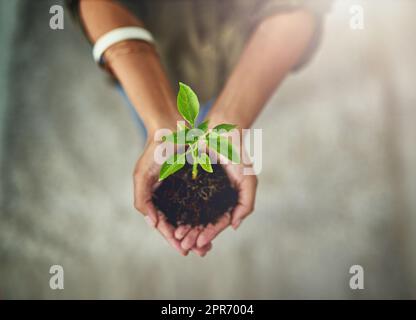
(337, 186)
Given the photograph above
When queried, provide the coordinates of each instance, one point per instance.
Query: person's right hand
(246, 185)
(146, 176)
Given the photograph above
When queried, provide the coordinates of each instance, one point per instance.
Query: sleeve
(319, 8)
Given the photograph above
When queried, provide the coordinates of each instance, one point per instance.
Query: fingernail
(201, 241)
(149, 221)
(154, 220)
(237, 224)
(199, 254)
(184, 246)
(181, 232)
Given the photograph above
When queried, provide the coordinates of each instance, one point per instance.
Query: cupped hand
(146, 180)
(244, 181)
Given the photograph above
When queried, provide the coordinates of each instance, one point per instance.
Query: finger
(156, 185)
(212, 230)
(190, 239)
(143, 197)
(181, 231)
(234, 173)
(246, 199)
(238, 214)
(202, 251)
(167, 231)
(151, 217)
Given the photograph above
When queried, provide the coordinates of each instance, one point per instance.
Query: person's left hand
(146, 176)
(246, 186)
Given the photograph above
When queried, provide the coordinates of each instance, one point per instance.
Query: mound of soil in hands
(200, 201)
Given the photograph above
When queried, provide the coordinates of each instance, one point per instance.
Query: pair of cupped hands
(185, 238)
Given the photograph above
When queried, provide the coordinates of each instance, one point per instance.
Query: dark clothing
(199, 41)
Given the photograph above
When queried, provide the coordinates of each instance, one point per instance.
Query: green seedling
(193, 136)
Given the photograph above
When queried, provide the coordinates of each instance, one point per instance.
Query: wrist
(129, 47)
(234, 105)
(137, 67)
(165, 118)
(225, 114)
(166, 121)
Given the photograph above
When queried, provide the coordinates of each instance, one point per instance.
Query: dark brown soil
(195, 202)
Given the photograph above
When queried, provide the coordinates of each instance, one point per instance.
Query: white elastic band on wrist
(118, 35)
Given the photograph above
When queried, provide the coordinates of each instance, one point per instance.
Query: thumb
(151, 214)
(238, 214)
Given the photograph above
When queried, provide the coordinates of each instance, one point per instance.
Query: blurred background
(338, 185)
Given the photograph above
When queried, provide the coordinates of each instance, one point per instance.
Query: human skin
(274, 48)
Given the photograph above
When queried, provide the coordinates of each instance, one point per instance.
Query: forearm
(143, 78)
(135, 64)
(274, 49)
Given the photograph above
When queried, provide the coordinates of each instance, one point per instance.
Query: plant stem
(195, 160)
(194, 170)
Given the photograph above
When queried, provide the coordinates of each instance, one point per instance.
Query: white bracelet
(118, 35)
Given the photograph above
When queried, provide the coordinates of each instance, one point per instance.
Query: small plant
(193, 136)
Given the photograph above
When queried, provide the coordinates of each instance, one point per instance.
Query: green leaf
(205, 162)
(195, 151)
(212, 135)
(188, 104)
(222, 145)
(179, 137)
(170, 166)
(225, 127)
(194, 134)
(204, 126)
(181, 125)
